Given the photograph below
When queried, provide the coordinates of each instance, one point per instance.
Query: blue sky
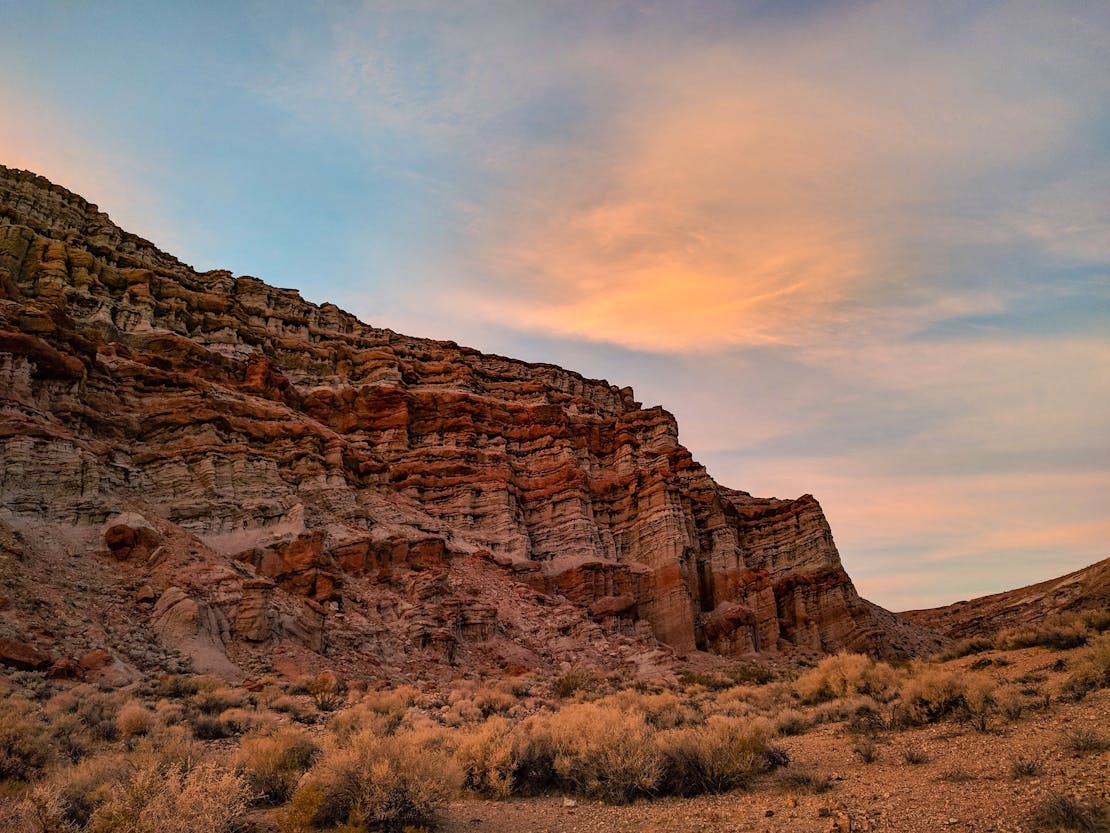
(859, 249)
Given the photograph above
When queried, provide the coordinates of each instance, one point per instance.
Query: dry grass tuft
(1065, 813)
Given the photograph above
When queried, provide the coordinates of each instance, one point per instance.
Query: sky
(859, 249)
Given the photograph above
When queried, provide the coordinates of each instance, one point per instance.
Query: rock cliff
(260, 483)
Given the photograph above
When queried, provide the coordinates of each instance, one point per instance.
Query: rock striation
(288, 486)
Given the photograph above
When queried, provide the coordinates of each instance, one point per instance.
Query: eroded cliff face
(290, 482)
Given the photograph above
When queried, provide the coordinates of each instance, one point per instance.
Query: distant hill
(1086, 589)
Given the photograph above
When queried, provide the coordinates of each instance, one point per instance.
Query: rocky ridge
(216, 466)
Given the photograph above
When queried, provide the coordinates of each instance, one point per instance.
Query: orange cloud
(762, 191)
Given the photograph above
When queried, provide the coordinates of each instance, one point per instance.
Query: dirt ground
(966, 783)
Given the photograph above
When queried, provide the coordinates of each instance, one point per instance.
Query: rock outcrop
(293, 483)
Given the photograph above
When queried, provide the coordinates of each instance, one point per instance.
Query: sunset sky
(860, 250)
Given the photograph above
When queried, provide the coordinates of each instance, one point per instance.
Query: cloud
(742, 189)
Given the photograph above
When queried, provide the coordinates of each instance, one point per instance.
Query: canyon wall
(285, 483)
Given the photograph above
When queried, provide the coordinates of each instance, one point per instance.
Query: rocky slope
(1086, 589)
(262, 484)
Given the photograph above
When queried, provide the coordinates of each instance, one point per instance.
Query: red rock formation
(366, 491)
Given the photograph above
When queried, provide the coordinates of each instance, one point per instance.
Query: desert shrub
(66, 800)
(979, 701)
(776, 756)
(1056, 635)
(326, 691)
(915, 755)
(664, 710)
(237, 721)
(271, 765)
(750, 673)
(791, 722)
(71, 737)
(169, 747)
(1065, 813)
(207, 727)
(179, 686)
(215, 700)
(846, 675)
(858, 710)
(574, 680)
(96, 709)
(865, 749)
(1089, 668)
(798, 781)
(933, 693)
(764, 698)
(486, 759)
(1084, 739)
(724, 754)
(292, 707)
(386, 783)
(709, 680)
(1097, 621)
(134, 719)
(965, 647)
(1011, 701)
(207, 799)
(468, 706)
(168, 713)
(381, 712)
(34, 685)
(599, 751)
(490, 702)
(25, 748)
(1024, 766)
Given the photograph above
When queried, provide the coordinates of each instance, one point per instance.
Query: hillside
(1085, 589)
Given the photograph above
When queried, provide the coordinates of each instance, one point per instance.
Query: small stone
(145, 595)
(569, 802)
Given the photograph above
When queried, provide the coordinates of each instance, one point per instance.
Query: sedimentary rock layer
(282, 474)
